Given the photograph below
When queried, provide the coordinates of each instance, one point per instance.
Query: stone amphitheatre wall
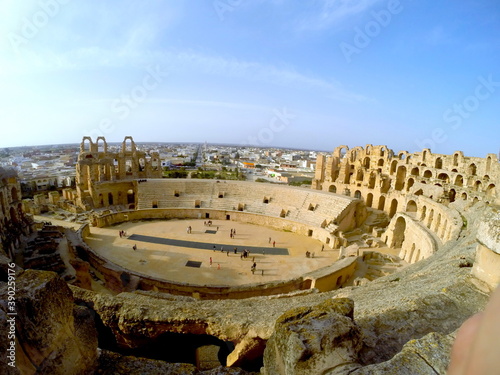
(420, 185)
(119, 279)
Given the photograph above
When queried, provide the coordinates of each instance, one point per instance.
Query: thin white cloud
(333, 12)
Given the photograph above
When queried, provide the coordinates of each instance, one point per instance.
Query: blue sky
(308, 74)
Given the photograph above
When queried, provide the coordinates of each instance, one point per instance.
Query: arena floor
(164, 247)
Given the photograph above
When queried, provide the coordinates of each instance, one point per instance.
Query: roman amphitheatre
(371, 270)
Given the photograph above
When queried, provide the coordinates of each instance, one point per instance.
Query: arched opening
(357, 194)
(371, 181)
(488, 164)
(438, 163)
(400, 178)
(411, 206)
(394, 165)
(414, 171)
(452, 195)
(427, 174)
(394, 207)
(101, 200)
(472, 169)
(409, 184)
(419, 192)
(359, 175)
(14, 195)
(380, 163)
(332, 189)
(142, 164)
(430, 219)
(455, 160)
(399, 233)
(464, 196)
(130, 196)
(101, 144)
(444, 177)
(369, 199)
(459, 180)
(477, 186)
(366, 163)
(110, 199)
(423, 214)
(381, 203)
(490, 190)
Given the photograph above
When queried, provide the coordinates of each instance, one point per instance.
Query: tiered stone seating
(309, 207)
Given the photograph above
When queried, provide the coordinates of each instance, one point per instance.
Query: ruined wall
(97, 166)
(422, 185)
(13, 221)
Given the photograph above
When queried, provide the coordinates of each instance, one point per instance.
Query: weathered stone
(314, 340)
(53, 335)
(426, 356)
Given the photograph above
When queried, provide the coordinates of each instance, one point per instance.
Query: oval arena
(268, 223)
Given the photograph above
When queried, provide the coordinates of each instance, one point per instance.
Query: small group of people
(189, 230)
(245, 254)
(207, 223)
(274, 242)
(232, 233)
(123, 234)
(309, 254)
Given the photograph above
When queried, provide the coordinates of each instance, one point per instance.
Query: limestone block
(314, 340)
(53, 335)
(426, 356)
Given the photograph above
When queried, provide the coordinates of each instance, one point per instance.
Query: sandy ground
(169, 262)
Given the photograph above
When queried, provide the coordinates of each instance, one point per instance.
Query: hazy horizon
(278, 73)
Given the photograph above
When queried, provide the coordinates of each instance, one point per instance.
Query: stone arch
(430, 218)
(409, 184)
(428, 173)
(455, 159)
(464, 196)
(394, 208)
(371, 180)
(14, 194)
(359, 175)
(490, 190)
(472, 170)
(357, 194)
(459, 180)
(423, 214)
(437, 223)
(141, 163)
(332, 189)
(380, 163)
(488, 164)
(411, 206)
(444, 177)
(130, 196)
(419, 192)
(110, 199)
(438, 163)
(394, 166)
(369, 199)
(128, 145)
(366, 162)
(381, 203)
(452, 195)
(400, 177)
(399, 233)
(101, 144)
(86, 145)
(414, 171)
(477, 185)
